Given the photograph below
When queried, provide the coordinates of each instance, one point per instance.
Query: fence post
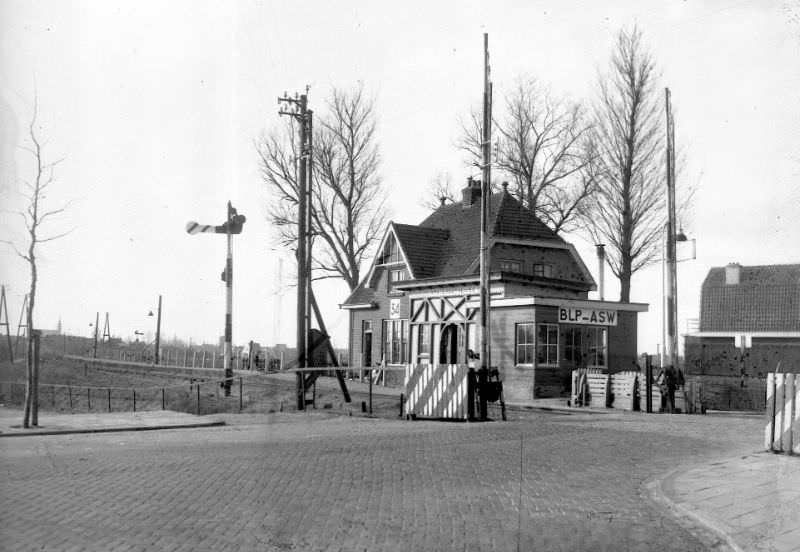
(769, 436)
(370, 392)
(69, 390)
(197, 411)
(109, 399)
(53, 396)
(240, 393)
(163, 399)
(134, 400)
(89, 398)
(402, 398)
(648, 386)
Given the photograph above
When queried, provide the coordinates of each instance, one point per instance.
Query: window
(524, 343)
(547, 345)
(572, 346)
(395, 341)
(391, 252)
(424, 343)
(511, 266)
(597, 345)
(544, 270)
(396, 275)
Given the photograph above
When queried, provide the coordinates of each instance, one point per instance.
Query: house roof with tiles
(751, 299)
(447, 243)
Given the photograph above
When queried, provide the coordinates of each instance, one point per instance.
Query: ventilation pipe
(601, 267)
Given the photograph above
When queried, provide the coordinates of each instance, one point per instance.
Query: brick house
(418, 303)
(749, 326)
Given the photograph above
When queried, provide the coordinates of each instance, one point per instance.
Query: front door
(366, 343)
(448, 345)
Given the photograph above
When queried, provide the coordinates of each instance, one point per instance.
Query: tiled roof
(447, 243)
(507, 218)
(360, 296)
(422, 246)
(767, 298)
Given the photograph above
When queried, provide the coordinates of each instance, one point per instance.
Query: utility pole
(158, 333)
(96, 323)
(486, 144)
(22, 327)
(671, 341)
(297, 108)
(4, 322)
(106, 330)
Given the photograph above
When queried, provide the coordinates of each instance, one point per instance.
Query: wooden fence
(782, 431)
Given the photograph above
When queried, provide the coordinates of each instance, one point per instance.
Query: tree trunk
(625, 281)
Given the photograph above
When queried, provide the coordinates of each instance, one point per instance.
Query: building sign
(394, 308)
(470, 292)
(602, 317)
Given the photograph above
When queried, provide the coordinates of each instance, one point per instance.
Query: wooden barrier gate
(782, 431)
(437, 391)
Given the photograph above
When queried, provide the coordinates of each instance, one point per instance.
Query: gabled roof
(767, 298)
(507, 217)
(422, 247)
(447, 243)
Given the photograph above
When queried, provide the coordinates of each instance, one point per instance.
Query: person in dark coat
(671, 383)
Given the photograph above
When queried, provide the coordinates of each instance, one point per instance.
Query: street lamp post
(669, 322)
(158, 332)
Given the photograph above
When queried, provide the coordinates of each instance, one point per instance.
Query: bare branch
(348, 202)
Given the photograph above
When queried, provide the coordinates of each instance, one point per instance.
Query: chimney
(471, 193)
(601, 266)
(732, 274)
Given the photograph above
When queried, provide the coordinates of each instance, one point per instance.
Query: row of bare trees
(593, 168)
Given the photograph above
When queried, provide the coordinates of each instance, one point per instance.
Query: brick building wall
(560, 261)
(734, 378)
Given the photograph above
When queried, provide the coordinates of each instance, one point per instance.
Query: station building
(419, 301)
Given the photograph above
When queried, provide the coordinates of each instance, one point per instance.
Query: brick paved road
(317, 482)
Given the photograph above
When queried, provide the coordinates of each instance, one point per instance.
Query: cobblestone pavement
(760, 512)
(541, 481)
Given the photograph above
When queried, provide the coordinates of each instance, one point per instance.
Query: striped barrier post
(782, 429)
(437, 391)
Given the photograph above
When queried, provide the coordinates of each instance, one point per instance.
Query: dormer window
(543, 270)
(511, 266)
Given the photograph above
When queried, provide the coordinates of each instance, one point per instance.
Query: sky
(155, 109)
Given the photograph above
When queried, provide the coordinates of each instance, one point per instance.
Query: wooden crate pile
(625, 390)
(589, 388)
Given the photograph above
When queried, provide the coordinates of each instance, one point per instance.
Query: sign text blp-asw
(570, 315)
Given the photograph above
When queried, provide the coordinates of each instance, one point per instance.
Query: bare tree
(34, 215)
(348, 199)
(626, 212)
(543, 148)
(441, 191)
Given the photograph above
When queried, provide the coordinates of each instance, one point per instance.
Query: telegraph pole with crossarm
(297, 108)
